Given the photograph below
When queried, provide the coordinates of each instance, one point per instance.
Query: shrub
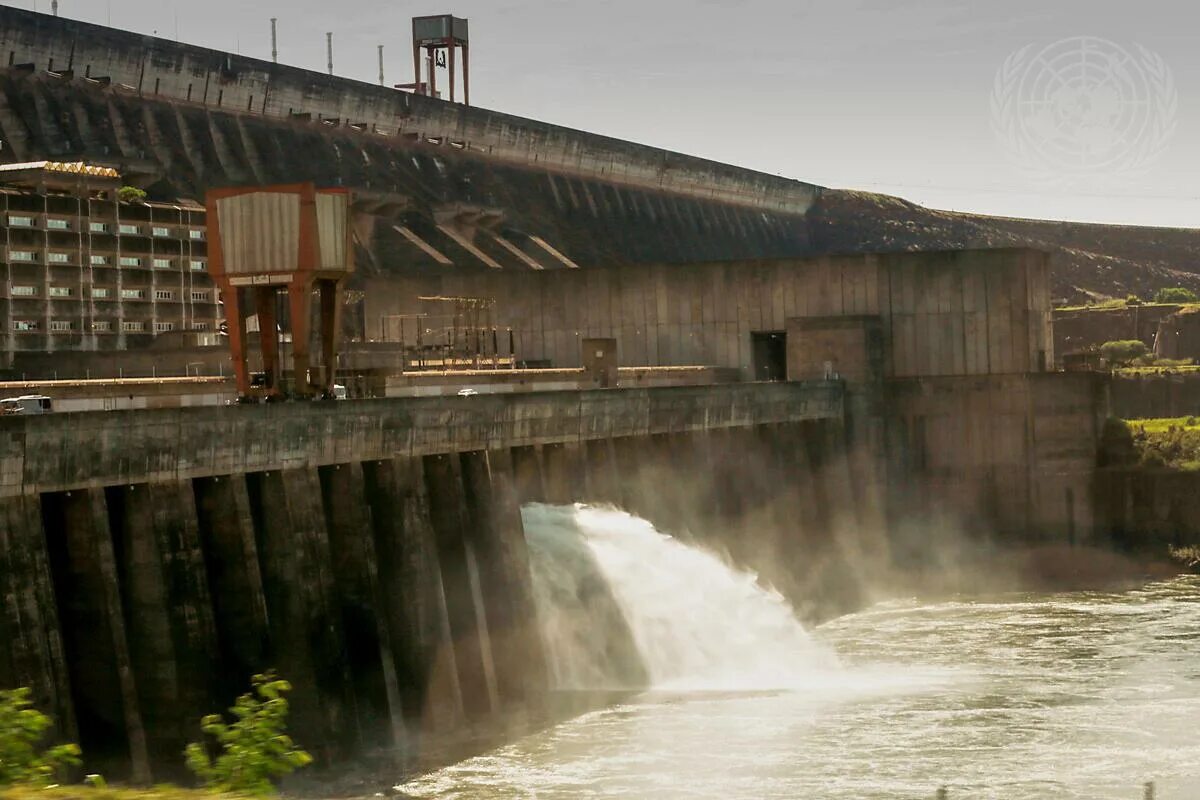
(1123, 351)
(1133, 300)
(22, 728)
(130, 194)
(1175, 294)
(254, 748)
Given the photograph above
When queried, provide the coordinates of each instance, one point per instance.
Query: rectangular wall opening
(769, 352)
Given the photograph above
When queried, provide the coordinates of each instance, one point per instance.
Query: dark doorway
(770, 355)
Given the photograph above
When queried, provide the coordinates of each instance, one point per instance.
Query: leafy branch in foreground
(254, 750)
(22, 728)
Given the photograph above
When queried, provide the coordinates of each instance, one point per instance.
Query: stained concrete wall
(60, 452)
(1081, 329)
(1151, 509)
(1010, 455)
(1156, 395)
(960, 313)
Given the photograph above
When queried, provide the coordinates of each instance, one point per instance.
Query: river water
(1081, 695)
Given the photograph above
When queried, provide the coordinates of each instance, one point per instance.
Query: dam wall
(476, 188)
(955, 313)
(1010, 456)
(372, 551)
(152, 67)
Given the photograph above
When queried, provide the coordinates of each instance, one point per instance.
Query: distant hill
(1090, 261)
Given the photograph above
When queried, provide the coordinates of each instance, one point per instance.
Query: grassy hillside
(1090, 261)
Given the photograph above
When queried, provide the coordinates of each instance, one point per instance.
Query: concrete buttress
(498, 537)
(172, 633)
(307, 646)
(410, 583)
(368, 637)
(33, 656)
(234, 579)
(88, 594)
(447, 502)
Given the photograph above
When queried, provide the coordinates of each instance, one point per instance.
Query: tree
(1124, 351)
(130, 194)
(22, 728)
(1176, 294)
(254, 749)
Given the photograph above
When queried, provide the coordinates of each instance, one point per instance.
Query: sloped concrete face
(494, 189)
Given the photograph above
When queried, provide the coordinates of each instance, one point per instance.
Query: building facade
(82, 270)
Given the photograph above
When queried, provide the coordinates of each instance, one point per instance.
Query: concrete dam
(827, 414)
(373, 551)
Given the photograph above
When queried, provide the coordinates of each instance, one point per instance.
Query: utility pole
(274, 42)
(381, 83)
(329, 49)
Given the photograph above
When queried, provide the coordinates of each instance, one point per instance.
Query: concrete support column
(172, 635)
(601, 472)
(627, 457)
(307, 645)
(527, 472)
(563, 473)
(88, 594)
(413, 599)
(842, 574)
(368, 637)
(32, 655)
(666, 505)
(230, 551)
(460, 584)
(498, 537)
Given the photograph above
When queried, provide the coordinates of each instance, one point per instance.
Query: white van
(26, 404)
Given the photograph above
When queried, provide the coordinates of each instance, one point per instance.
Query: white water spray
(624, 606)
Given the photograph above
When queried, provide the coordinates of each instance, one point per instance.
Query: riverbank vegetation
(242, 754)
(1173, 443)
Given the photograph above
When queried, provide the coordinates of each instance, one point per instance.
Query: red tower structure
(264, 242)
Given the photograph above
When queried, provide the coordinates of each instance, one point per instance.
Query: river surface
(1080, 695)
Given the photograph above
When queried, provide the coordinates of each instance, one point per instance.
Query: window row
(195, 265)
(101, 292)
(127, 326)
(157, 231)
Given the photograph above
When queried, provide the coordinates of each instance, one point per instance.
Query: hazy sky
(899, 97)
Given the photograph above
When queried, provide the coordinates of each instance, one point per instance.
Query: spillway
(622, 606)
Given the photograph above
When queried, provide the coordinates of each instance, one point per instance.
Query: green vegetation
(22, 729)
(1172, 295)
(241, 758)
(1123, 352)
(254, 748)
(102, 793)
(1176, 294)
(1161, 366)
(1166, 442)
(130, 194)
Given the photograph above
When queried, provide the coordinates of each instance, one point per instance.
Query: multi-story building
(82, 270)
